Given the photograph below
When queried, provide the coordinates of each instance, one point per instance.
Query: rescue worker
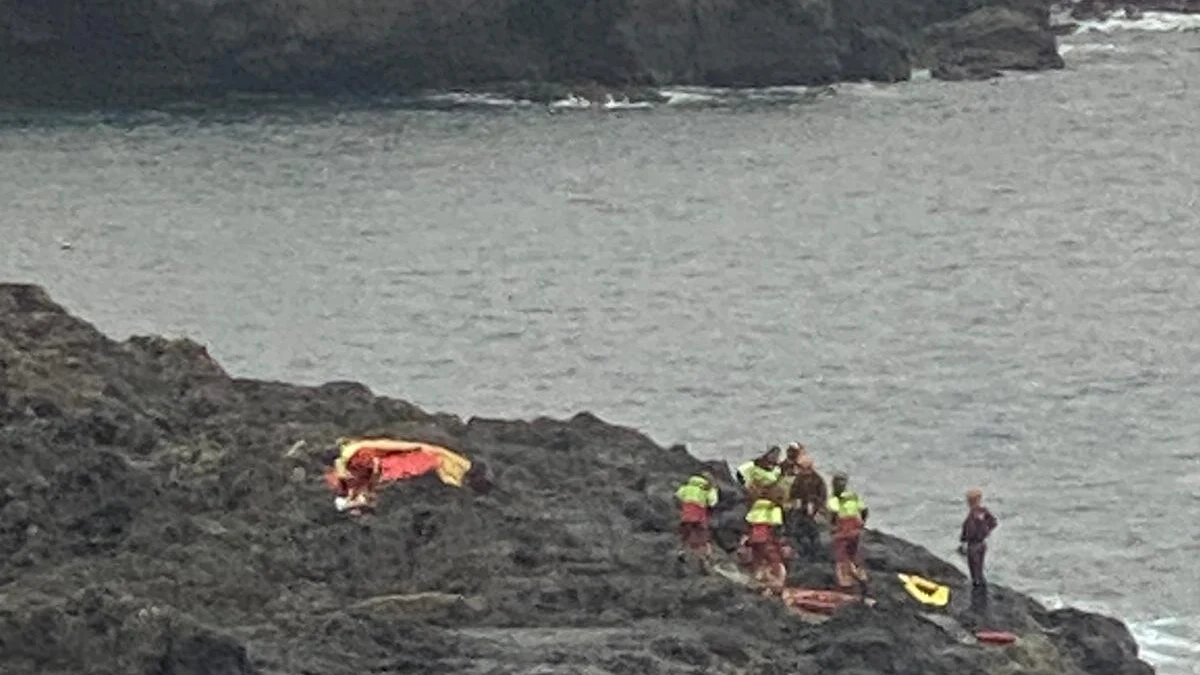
(978, 524)
(357, 479)
(697, 497)
(795, 451)
(806, 502)
(767, 552)
(848, 516)
(760, 472)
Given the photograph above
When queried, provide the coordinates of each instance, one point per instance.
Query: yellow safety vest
(848, 505)
(696, 490)
(754, 474)
(765, 512)
(346, 450)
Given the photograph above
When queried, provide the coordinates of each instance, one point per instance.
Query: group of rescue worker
(787, 504)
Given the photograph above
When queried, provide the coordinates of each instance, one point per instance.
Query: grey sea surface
(935, 286)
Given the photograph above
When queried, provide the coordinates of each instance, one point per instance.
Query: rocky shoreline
(63, 52)
(159, 516)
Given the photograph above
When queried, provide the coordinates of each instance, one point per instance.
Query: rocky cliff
(158, 517)
(119, 51)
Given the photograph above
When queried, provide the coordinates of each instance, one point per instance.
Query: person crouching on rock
(978, 524)
(848, 516)
(807, 499)
(767, 553)
(357, 486)
(697, 497)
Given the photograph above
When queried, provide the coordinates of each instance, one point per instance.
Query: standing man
(697, 496)
(764, 521)
(808, 497)
(978, 524)
(848, 516)
(795, 451)
(760, 472)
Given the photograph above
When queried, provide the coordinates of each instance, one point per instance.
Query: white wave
(1157, 22)
(571, 102)
(1171, 644)
(775, 93)
(793, 89)
(625, 104)
(690, 95)
(575, 102)
(480, 99)
(1087, 48)
(1174, 646)
(693, 95)
(874, 89)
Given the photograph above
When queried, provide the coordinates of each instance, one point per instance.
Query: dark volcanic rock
(115, 51)
(159, 516)
(990, 40)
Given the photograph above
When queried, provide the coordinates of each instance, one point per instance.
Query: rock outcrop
(157, 516)
(989, 40)
(116, 51)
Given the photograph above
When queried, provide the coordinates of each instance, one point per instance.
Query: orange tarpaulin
(399, 460)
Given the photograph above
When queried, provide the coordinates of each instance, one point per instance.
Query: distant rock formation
(159, 516)
(114, 51)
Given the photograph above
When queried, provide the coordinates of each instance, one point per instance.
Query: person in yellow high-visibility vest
(848, 516)
(697, 496)
(767, 551)
(760, 472)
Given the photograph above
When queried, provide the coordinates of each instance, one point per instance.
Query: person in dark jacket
(791, 459)
(808, 495)
(978, 524)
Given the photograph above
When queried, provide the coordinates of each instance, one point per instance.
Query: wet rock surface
(160, 516)
(136, 51)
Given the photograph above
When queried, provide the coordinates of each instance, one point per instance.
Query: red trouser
(694, 535)
(766, 557)
(847, 553)
(693, 527)
(765, 546)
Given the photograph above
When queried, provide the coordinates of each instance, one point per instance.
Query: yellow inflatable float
(925, 591)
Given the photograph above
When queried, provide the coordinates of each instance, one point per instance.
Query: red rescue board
(995, 637)
(817, 601)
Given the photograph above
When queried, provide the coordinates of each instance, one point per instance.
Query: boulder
(990, 40)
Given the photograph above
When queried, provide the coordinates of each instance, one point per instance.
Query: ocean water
(934, 285)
